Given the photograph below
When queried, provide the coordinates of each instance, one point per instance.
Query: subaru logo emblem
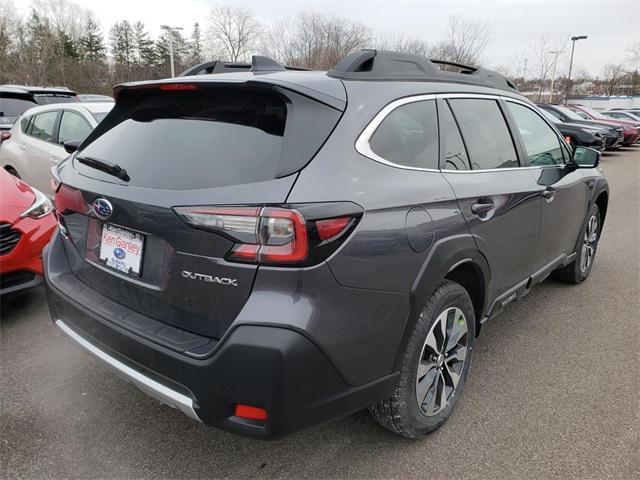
(119, 253)
(102, 208)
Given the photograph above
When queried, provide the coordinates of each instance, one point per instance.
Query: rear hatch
(162, 150)
(12, 105)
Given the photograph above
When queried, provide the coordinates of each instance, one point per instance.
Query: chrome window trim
(362, 142)
(156, 390)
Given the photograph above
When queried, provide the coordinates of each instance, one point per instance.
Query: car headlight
(40, 207)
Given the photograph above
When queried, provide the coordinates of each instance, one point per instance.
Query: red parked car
(26, 225)
(631, 130)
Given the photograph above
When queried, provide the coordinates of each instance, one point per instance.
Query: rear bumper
(270, 367)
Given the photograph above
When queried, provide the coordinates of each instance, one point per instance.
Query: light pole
(573, 46)
(553, 75)
(170, 31)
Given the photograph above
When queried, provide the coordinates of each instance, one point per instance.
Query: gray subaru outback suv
(268, 249)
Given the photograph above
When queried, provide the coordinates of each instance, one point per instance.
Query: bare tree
(313, 40)
(612, 75)
(398, 42)
(233, 31)
(466, 41)
(634, 55)
(545, 58)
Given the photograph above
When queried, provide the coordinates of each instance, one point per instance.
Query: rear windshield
(13, 107)
(200, 139)
(47, 99)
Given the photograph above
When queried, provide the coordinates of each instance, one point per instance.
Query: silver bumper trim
(149, 386)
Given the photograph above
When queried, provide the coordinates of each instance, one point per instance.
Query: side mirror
(72, 145)
(585, 157)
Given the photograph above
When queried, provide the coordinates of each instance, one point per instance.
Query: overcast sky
(612, 25)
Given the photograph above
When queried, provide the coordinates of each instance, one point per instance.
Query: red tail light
(5, 136)
(178, 86)
(250, 413)
(271, 235)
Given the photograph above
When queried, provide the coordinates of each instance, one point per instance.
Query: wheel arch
(454, 258)
(602, 201)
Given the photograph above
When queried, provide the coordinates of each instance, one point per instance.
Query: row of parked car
(583, 126)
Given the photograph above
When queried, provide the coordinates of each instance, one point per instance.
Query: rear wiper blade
(104, 166)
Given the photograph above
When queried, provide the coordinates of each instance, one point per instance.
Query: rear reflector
(250, 413)
(331, 227)
(178, 86)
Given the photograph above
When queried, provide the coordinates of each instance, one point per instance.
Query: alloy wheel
(442, 361)
(589, 241)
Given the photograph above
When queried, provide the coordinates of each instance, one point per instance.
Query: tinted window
(540, 140)
(42, 126)
(73, 127)
(455, 154)
(485, 133)
(572, 114)
(24, 124)
(409, 136)
(99, 115)
(13, 107)
(199, 139)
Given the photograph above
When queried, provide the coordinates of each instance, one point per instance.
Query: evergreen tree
(144, 48)
(122, 39)
(195, 55)
(91, 48)
(180, 53)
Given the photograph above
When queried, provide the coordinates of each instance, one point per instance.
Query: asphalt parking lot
(554, 391)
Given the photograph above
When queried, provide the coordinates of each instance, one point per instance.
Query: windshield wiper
(104, 166)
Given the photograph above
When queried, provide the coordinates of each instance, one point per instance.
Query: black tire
(575, 272)
(402, 413)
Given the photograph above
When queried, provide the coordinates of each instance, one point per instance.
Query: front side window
(540, 140)
(42, 126)
(73, 127)
(485, 133)
(408, 136)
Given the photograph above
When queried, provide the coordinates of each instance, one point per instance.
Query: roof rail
(384, 65)
(258, 64)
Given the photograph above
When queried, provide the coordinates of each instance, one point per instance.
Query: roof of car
(36, 90)
(77, 106)
(328, 87)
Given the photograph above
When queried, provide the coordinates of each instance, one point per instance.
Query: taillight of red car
(275, 235)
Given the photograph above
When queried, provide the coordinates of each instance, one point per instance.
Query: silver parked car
(36, 141)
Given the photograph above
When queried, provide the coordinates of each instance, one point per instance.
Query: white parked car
(36, 140)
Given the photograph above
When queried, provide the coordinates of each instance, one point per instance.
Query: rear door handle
(482, 206)
(548, 193)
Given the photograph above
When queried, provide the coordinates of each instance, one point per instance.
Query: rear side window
(409, 136)
(42, 126)
(540, 140)
(455, 153)
(73, 127)
(208, 138)
(485, 133)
